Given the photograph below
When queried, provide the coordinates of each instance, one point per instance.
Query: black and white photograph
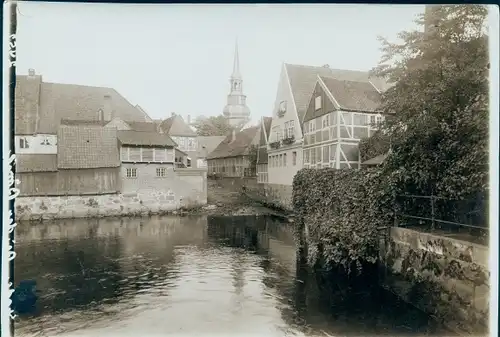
(308, 170)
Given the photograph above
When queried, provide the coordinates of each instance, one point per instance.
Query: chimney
(107, 109)
(189, 119)
(326, 66)
(31, 72)
(173, 114)
(233, 135)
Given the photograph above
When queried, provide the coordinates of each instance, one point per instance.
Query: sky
(178, 58)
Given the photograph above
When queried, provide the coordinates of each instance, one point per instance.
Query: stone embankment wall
(186, 189)
(271, 194)
(444, 277)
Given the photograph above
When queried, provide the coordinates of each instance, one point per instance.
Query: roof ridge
(338, 80)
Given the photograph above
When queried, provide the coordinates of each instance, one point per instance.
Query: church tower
(236, 110)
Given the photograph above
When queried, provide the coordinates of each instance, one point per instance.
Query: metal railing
(466, 219)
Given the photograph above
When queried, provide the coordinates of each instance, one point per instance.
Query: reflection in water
(188, 275)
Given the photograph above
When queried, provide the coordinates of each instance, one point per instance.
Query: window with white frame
(312, 126)
(161, 172)
(45, 141)
(326, 121)
(282, 108)
(131, 173)
(291, 129)
(23, 143)
(317, 103)
(306, 156)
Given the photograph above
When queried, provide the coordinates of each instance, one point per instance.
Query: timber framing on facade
(339, 115)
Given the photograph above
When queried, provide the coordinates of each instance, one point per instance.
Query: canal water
(189, 276)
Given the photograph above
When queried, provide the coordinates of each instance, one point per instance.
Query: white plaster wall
(284, 175)
(35, 144)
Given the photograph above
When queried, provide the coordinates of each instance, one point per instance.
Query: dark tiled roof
(207, 144)
(36, 163)
(139, 138)
(303, 79)
(82, 122)
(239, 147)
(262, 155)
(375, 160)
(176, 126)
(87, 147)
(143, 126)
(58, 101)
(351, 95)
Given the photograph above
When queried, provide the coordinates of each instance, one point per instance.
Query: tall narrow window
(317, 103)
(294, 158)
(284, 160)
(23, 143)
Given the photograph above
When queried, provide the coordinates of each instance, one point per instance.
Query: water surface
(191, 276)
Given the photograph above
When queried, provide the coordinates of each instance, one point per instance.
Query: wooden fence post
(433, 213)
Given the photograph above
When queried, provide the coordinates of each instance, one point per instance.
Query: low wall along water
(444, 277)
(188, 188)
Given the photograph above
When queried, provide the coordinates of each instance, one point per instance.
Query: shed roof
(143, 138)
(375, 160)
(81, 147)
(36, 163)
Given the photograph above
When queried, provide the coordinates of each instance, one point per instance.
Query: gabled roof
(36, 163)
(41, 105)
(143, 138)
(239, 147)
(303, 79)
(353, 95)
(81, 147)
(176, 126)
(207, 144)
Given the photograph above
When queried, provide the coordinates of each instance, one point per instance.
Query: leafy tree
(212, 126)
(439, 131)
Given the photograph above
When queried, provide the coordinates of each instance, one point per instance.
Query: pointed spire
(236, 64)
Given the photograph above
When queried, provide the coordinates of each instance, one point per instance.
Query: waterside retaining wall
(444, 277)
(187, 188)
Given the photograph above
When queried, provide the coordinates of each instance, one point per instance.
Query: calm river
(188, 276)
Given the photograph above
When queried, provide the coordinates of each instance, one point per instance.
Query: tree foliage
(342, 210)
(212, 126)
(439, 132)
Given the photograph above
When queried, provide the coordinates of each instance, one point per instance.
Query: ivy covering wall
(342, 210)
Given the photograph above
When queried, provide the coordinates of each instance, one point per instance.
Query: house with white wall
(295, 87)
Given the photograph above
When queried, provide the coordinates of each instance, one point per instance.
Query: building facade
(339, 115)
(183, 135)
(236, 110)
(262, 158)
(295, 87)
(147, 159)
(236, 155)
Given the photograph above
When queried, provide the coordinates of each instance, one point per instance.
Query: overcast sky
(178, 58)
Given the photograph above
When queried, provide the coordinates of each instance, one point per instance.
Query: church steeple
(236, 110)
(236, 63)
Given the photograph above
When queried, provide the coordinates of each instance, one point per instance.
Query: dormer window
(317, 103)
(23, 143)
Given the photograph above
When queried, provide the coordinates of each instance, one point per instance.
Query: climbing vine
(341, 210)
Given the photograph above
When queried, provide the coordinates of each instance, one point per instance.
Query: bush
(342, 210)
